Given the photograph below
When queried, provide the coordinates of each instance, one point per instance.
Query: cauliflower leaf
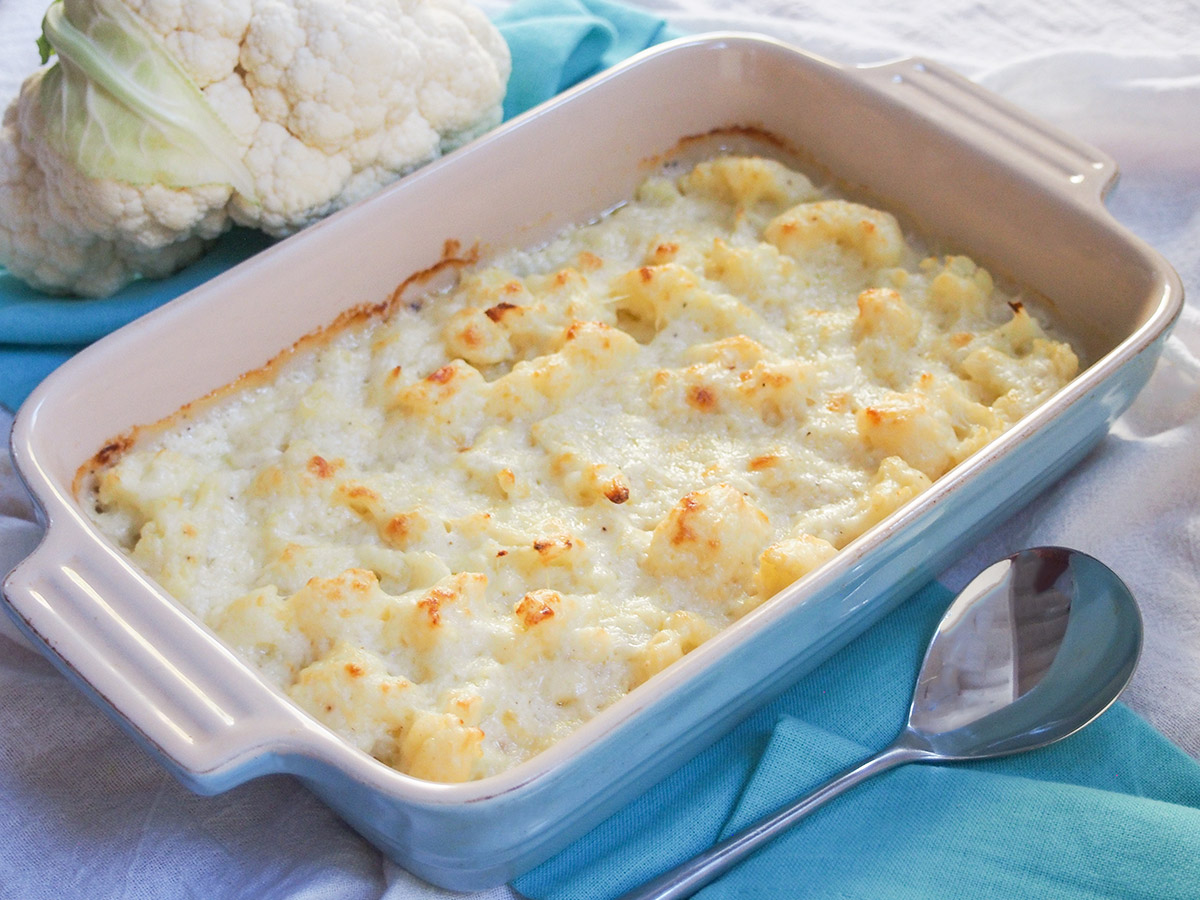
(118, 105)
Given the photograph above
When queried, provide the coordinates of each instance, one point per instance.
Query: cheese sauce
(455, 535)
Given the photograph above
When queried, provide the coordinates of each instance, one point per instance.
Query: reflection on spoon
(1034, 648)
(987, 654)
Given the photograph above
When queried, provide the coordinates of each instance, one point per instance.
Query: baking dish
(964, 166)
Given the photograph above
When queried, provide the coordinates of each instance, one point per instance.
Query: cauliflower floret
(839, 228)
(711, 538)
(317, 104)
(744, 181)
(202, 34)
(789, 560)
(681, 633)
(907, 425)
(63, 231)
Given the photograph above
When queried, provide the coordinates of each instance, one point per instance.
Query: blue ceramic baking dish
(962, 165)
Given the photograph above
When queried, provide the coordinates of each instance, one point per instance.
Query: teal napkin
(1113, 811)
(554, 44)
(558, 43)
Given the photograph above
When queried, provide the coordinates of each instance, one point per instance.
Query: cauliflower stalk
(159, 124)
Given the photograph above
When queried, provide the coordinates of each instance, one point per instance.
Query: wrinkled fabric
(89, 814)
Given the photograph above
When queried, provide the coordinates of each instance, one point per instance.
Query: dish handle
(192, 703)
(1063, 164)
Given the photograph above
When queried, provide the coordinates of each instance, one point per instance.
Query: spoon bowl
(1034, 648)
(1037, 646)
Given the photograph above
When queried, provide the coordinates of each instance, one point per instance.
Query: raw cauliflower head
(313, 104)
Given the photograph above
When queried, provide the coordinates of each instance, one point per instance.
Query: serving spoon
(1033, 649)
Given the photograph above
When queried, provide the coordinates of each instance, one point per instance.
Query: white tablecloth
(89, 815)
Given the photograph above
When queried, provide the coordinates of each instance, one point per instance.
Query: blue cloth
(554, 44)
(1113, 811)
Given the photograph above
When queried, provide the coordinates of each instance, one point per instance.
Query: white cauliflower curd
(159, 123)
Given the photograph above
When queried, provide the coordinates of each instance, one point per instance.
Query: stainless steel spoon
(1034, 648)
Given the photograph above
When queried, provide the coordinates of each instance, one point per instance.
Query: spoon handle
(690, 876)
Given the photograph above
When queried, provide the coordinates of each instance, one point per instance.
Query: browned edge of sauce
(690, 147)
(453, 257)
